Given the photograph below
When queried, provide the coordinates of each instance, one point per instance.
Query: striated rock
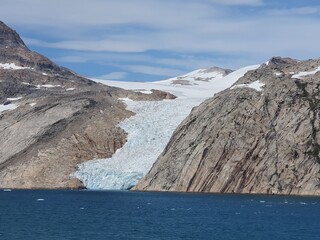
(260, 136)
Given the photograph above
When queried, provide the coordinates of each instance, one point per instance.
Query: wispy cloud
(165, 38)
(150, 70)
(71, 59)
(295, 11)
(114, 76)
(262, 36)
(238, 2)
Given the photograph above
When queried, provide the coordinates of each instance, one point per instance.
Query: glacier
(150, 129)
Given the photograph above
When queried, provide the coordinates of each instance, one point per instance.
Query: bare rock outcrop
(249, 139)
(58, 119)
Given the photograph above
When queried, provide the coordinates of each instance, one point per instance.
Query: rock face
(259, 136)
(57, 120)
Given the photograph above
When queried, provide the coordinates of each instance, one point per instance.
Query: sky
(148, 40)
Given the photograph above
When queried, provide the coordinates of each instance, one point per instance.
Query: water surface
(97, 215)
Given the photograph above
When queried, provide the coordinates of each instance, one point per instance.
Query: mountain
(259, 136)
(151, 128)
(52, 119)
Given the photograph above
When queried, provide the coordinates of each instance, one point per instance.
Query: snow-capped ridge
(194, 77)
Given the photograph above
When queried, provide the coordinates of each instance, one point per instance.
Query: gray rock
(248, 141)
(61, 120)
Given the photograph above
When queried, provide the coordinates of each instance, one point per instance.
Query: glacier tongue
(148, 133)
(149, 130)
(105, 179)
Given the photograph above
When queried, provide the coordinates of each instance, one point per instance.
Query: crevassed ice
(148, 131)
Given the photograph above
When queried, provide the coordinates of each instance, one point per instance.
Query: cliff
(259, 136)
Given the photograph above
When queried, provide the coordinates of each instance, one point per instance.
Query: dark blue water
(132, 215)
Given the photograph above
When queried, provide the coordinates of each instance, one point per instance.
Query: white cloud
(114, 76)
(262, 36)
(71, 59)
(61, 14)
(238, 2)
(295, 11)
(127, 33)
(150, 70)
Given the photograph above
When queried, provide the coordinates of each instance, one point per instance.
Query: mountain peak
(10, 38)
(280, 61)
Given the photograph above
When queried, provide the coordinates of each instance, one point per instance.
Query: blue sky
(146, 40)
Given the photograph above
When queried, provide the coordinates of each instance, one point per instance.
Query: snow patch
(257, 85)
(7, 107)
(14, 99)
(44, 74)
(303, 74)
(144, 91)
(41, 86)
(70, 89)
(149, 130)
(12, 66)
(32, 104)
(25, 83)
(126, 99)
(277, 73)
(47, 86)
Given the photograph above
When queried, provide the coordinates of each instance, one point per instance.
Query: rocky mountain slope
(51, 119)
(259, 136)
(151, 128)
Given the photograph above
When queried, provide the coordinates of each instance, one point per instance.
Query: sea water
(97, 215)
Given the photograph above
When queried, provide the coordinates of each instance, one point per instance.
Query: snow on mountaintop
(201, 90)
(151, 128)
(194, 77)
